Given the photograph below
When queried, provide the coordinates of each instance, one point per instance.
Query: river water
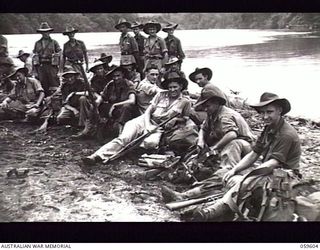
(248, 61)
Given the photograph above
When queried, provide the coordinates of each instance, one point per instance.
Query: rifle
(185, 203)
(137, 141)
(90, 95)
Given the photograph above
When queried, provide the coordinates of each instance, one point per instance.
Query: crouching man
(279, 146)
(25, 99)
(224, 133)
(164, 105)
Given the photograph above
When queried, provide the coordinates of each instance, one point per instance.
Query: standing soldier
(155, 49)
(26, 59)
(74, 51)
(46, 59)
(173, 43)
(136, 28)
(128, 45)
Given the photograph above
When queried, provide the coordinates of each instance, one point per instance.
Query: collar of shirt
(170, 38)
(75, 41)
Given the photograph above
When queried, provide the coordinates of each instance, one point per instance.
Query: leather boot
(219, 211)
(88, 131)
(91, 160)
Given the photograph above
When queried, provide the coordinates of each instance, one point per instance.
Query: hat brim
(148, 25)
(170, 63)
(44, 30)
(200, 102)
(70, 73)
(24, 70)
(93, 68)
(283, 102)
(140, 26)
(68, 32)
(27, 54)
(118, 68)
(106, 57)
(180, 80)
(125, 23)
(166, 29)
(205, 71)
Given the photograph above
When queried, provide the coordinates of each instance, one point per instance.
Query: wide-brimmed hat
(206, 95)
(95, 65)
(136, 25)
(172, 60)
(3, 41)
(118, 68)
(6, 60)
(268, 98)
(69, 29)
(170, 26)
(104, 56)
(69, 71)
(150, 24)
(24, 70)
(44, 27)
(21, 53)
(174, 77)
(122, 21)
(205, 71)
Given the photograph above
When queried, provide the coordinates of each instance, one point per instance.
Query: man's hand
(227, 176)
(32, 105)
(150, 128)
(4, 104)
(111, 110)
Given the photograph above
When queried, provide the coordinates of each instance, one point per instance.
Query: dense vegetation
(11, 23)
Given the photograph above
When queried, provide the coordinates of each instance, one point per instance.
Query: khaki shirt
(27, 92)
(45, 48)
(74, 52)
(145, 91)
(163, 110)
(174, 47)
(128, 45)
(155, 49)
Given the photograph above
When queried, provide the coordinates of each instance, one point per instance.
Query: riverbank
(56, 189)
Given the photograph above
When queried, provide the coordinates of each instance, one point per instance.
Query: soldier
(128, 45)
(71, 89)
(173, 43)
(74, 51)
(106, 59)
(6, 69)
(173, 65)
(164, 105)
(225, 133)
(98, 83)
(46, 59)
(155, 49)
(136, 28)
(132, 74)
(25, 99)
(27, 60)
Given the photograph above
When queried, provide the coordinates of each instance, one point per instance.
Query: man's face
(136, 30)
(270, 114)
(117, 76)
(69, 78)
(174, 89)
(129, 68)
(170, 32)
(174, 67)
(99, 70)
(123, 28)
(211, 106)
(71, 35)
(153, 75)
(152, 30)
(23, 58)
(20, 77)
(201, 79)
(45, 34)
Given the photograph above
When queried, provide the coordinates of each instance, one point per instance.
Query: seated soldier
(117, 102)
(173, 65)
(164, 105)
(71, 89)
(147, 88)
(25, 99)
(106, 60)
(6, 69)
(98, 83)
(226, 133)
(279, 145)
(27, 60)
(132, 75)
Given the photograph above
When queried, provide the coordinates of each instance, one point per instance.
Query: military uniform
(46, 62)
(174, 47)
(128, 48)
(154, 51)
